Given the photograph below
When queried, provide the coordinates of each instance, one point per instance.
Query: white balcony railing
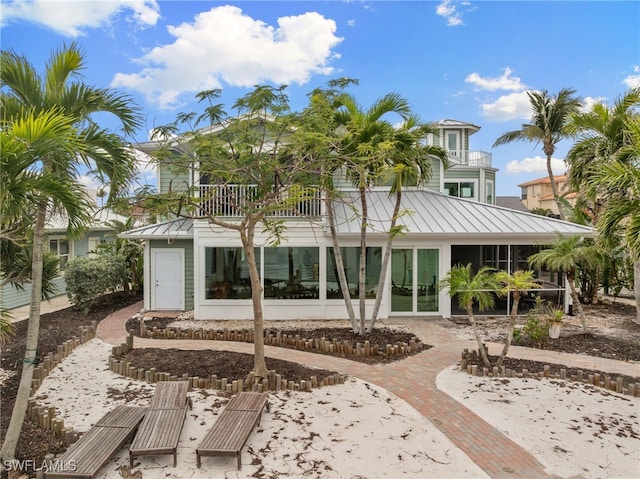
(233, 200)
(471, 158)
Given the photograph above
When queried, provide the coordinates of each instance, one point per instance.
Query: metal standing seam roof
(178, 228)
(430, 212)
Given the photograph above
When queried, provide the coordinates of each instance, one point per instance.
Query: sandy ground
(357, 430)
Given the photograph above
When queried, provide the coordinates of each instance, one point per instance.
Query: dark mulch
(593, 345)
(379, 337)
(224, 364)
(554, 369)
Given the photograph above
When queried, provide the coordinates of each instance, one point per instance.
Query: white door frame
(179, 278)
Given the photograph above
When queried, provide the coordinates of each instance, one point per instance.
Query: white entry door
(168, 279)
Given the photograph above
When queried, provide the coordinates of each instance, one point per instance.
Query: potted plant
(555, 318)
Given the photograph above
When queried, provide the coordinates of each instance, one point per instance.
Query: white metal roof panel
(181, 228)
(430, 212)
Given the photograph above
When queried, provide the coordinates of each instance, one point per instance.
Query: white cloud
(508, 107)
(537, 164)
(224, 45)
(503, 82)
(633, 81)
(588, 102)
(453, 11)
(71, 18)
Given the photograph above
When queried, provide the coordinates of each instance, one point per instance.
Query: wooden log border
(45, 416)
(274, 382)
(274, 337)
(608, 382)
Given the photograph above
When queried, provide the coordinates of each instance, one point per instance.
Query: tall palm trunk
(636, 282)
(342, 277)
(259, 364)
(33, 331)
(362, 271)
(385, 263)
(481, 348)
(554, 186)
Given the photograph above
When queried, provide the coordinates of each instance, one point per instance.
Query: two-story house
(194, 265)
(537, 193)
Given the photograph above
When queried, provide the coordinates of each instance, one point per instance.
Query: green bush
(537, 330)
(90, 278)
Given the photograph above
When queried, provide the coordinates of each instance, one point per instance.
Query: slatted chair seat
(98, 445)
(231, 430)
(160, 430)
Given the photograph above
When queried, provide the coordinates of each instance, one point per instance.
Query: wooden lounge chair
(231, 430)
(160, 430)
(98, 445)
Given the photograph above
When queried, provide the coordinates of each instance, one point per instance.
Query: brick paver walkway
(413, 380)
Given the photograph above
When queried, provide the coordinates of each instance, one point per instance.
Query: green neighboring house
(66, 249)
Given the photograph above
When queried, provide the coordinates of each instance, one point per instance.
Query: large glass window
(460, 189)
(351, 262)
(227, 273)
(291, 273)
(60, 246)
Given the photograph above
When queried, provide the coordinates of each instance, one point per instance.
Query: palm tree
(550, 114)
(410, 164)
(366, 143)
(601, 134)
(516, 283)
(604, 137)
(621, 181)
(472, 289)
(26, 93)
(567, 255)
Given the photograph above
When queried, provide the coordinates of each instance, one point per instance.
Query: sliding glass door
(414, 280)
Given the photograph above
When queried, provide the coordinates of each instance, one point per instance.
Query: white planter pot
(554, 330)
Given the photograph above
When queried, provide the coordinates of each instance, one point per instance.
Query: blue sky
(465, 60)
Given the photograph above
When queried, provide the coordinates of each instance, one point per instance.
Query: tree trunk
(342, 278)
(385, 263)
(636, 288)
(259, 364)
(33, 330)
(362, 270)
(483, 351)
(576, 301)
(554, 187)
(512, 326)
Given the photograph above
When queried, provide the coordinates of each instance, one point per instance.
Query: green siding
(187, 245)
(464, 174)
(436, 171)
(172, 179)
(13, 298)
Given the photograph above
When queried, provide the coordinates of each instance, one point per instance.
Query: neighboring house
(66, 249)
(194, 265)
(537, 193)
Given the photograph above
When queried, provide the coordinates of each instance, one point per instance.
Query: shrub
(90, 278)
(538, 320)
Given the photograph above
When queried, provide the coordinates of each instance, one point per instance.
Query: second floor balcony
(234, 201)
(471, 158)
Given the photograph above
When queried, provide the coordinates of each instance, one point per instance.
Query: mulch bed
(379, 337)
